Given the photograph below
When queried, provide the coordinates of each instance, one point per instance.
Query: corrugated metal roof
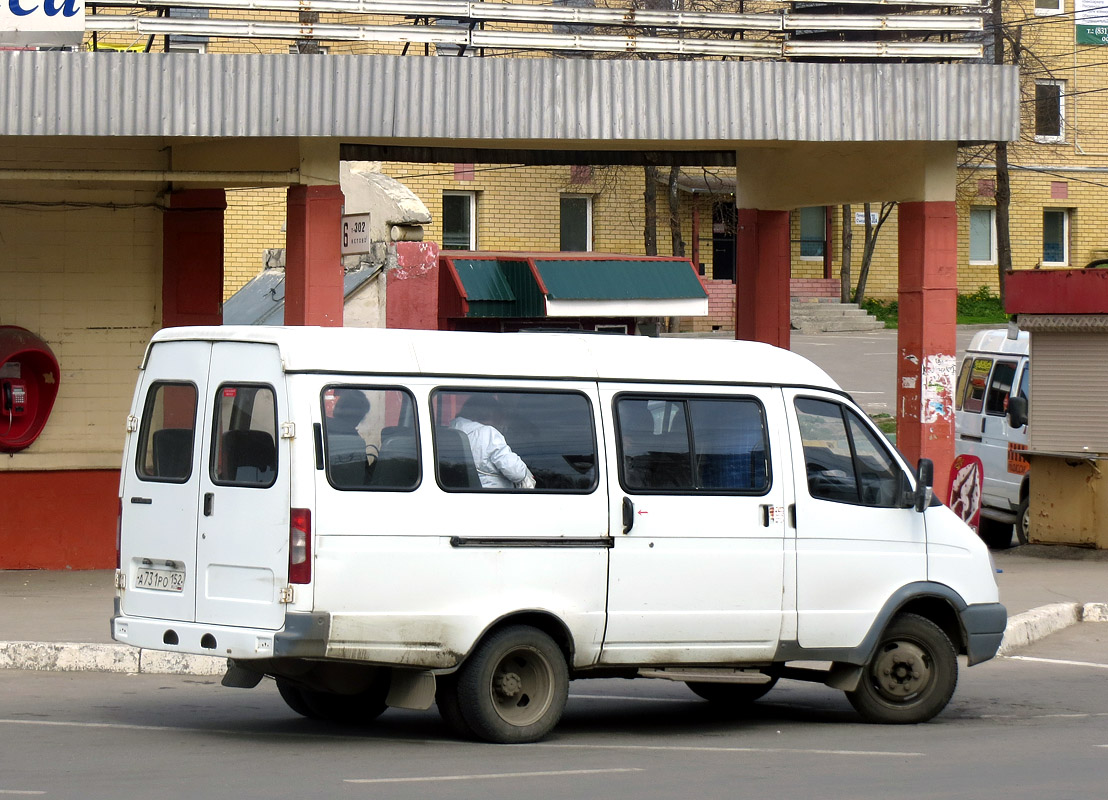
(261, 301)
(527, 100)
(624, 279)
(483, 280)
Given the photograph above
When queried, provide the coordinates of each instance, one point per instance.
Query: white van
(991, 401)
(344, 510)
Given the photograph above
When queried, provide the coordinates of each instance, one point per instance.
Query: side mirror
(1017, 412)
(925, 479)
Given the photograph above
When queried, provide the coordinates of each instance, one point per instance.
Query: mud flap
(411, 689)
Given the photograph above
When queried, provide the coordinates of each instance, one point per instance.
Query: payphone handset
(13, 397)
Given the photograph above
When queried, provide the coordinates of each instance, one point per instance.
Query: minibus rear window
(371, 439)
(244, 436)
(167, 433)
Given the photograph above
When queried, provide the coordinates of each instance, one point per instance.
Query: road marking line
(704, 749)
(1058, 661)
(19, 791)
(632, 698)
(492, 776)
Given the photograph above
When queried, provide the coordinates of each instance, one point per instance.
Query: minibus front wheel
(513, 687)
(910, 677)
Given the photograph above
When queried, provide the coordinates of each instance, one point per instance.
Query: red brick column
(313, 258)
(412, 288)
(192, 258)
(762, 277)
(926, 341)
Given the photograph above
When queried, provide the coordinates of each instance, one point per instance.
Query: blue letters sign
(46, 23)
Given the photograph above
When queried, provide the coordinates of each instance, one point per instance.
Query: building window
(1050, 110)
(813, 232)
(725, 220)
(1056, 237)
(982, 236)
(576, 223)
(459, 220)
(1044, 8)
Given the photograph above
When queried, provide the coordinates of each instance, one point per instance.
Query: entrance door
(161, 484)
(244, 498)
(698, 557)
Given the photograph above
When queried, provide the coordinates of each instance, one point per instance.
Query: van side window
(370, 438)
(963, 382)
(244, 437)
(1000, 386)
(166, 434)
(685, 444)
(514, 441)
(978, 381)
(845, 460)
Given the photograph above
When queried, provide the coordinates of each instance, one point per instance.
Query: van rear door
(161, 484)
(242, 547)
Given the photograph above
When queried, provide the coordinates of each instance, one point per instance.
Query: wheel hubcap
(901, 671)
(522, 686)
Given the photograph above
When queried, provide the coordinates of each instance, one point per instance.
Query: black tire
(911, 676)
(446, 698)
(348, 708)
(1023, 521)
(513, 688)
(731, 695)
(995, 535)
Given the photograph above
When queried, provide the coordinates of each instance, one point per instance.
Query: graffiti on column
(937, 397)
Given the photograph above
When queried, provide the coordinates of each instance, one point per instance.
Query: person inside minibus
(498, 466)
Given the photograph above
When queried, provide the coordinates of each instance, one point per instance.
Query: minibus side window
(677, 445)
(371, 438)
(963, 382)
(166, 434)
(501, 440)
(844, 459)
(978, 381)
(244, 437)
(1000, 386)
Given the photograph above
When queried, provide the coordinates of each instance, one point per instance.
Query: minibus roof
(357, 351)
(997, 341)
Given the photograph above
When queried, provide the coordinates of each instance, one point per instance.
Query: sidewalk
(60, 620)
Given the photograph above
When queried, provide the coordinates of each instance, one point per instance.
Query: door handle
(209, 503)
(142, 501)
(765, 515)
(628, 514)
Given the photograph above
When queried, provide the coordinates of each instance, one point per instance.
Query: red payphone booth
(29, 377)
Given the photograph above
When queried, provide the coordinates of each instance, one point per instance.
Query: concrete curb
(84, 657)
(1022, 630)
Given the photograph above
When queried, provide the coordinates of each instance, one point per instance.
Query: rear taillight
(300, 546)
(119, 533)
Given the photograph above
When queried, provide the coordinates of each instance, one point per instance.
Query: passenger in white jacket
(498, 466)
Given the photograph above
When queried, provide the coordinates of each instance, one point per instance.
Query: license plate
(160, 580)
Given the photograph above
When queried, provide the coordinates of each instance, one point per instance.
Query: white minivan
(991, 401)
(379, 518)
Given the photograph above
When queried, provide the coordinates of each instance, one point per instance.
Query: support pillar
(192, 258)
(926, 338)
(313, 257)
(762, 271)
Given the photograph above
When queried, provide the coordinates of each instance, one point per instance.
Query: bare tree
(873, 230)
(848, 243)
(650, 207)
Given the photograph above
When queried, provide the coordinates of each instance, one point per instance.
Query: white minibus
(391, 518)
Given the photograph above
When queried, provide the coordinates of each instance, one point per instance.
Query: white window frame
(1048, 10)
(1066, 222)
(472, 219)
(1061, 136)
(991, 210)
(588, 198)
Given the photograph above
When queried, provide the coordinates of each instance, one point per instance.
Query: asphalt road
(864, 363)
(1032, 727)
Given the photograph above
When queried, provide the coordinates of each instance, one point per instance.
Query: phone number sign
(1091, 18)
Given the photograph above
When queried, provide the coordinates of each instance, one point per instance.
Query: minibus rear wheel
(910, 677)
(358, 708)
(513, 687)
